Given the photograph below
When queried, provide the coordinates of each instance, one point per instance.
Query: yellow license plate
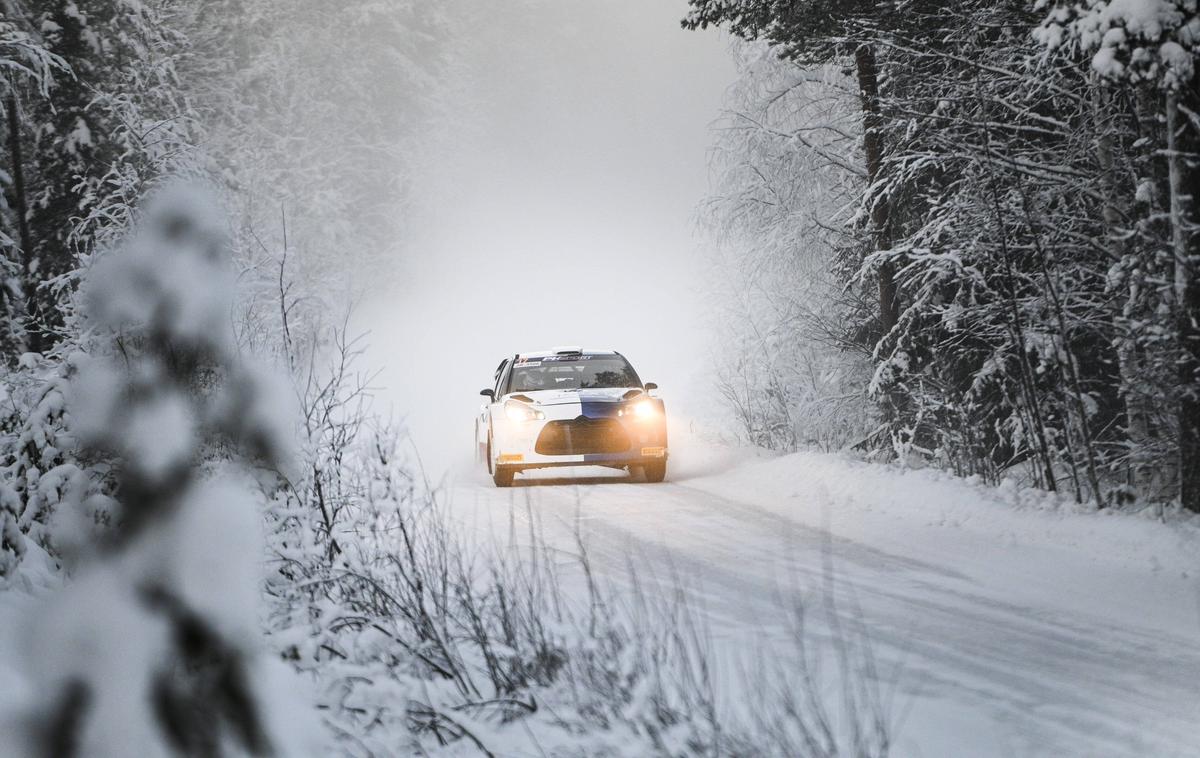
(653, 452)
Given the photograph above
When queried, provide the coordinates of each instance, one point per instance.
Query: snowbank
(1042, 545)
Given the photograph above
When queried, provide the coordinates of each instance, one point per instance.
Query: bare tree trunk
(1068, 367)
(21, 207)
(1183, 162)
(868, 87)
(1117, 207)
(1027, 376)
(1069, 370)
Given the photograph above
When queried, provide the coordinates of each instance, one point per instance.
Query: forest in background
(966, 235)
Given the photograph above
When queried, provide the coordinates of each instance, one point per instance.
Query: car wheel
(503, 476)
(655, 471)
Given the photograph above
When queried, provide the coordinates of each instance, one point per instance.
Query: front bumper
(571, 436)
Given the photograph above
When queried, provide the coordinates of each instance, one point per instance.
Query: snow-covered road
(1009, 627)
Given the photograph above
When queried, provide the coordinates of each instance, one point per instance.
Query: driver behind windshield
(585, 372)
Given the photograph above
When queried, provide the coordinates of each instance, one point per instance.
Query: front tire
(655, 471)
(503, 476)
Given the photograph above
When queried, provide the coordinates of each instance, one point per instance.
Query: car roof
(564, 351)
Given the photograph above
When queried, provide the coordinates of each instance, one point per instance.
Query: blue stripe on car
(598, 409)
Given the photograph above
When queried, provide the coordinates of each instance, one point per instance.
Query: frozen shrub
(40, 470)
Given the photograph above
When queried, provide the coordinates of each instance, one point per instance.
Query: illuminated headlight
(518, 411)
(640, 410)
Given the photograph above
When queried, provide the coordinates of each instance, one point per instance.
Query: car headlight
(518, 411)
(642, 409)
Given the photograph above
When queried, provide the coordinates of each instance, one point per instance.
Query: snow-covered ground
(1004, 622)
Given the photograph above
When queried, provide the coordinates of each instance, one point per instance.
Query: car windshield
(558, 372)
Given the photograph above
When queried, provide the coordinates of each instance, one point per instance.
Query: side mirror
(651, 386)
(487, 393)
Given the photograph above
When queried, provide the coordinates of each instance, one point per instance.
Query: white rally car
(571, 407)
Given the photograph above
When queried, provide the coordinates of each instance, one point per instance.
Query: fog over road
(982, 648)
(561, 211)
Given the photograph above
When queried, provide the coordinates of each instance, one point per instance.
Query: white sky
(564, 210)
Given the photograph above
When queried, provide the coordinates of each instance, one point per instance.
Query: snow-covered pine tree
(68, 137)
(817, 32)
(1153, 47)
(1036, 214)
(27, 69)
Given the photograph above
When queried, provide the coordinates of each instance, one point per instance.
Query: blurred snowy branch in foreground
(152, 647)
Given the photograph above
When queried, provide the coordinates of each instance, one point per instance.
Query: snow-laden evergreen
(1019, 233)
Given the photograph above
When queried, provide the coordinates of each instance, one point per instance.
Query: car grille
(582, 436)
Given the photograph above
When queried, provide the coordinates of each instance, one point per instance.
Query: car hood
(562, 397)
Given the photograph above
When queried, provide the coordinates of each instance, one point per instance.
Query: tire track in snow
(1055, 682)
